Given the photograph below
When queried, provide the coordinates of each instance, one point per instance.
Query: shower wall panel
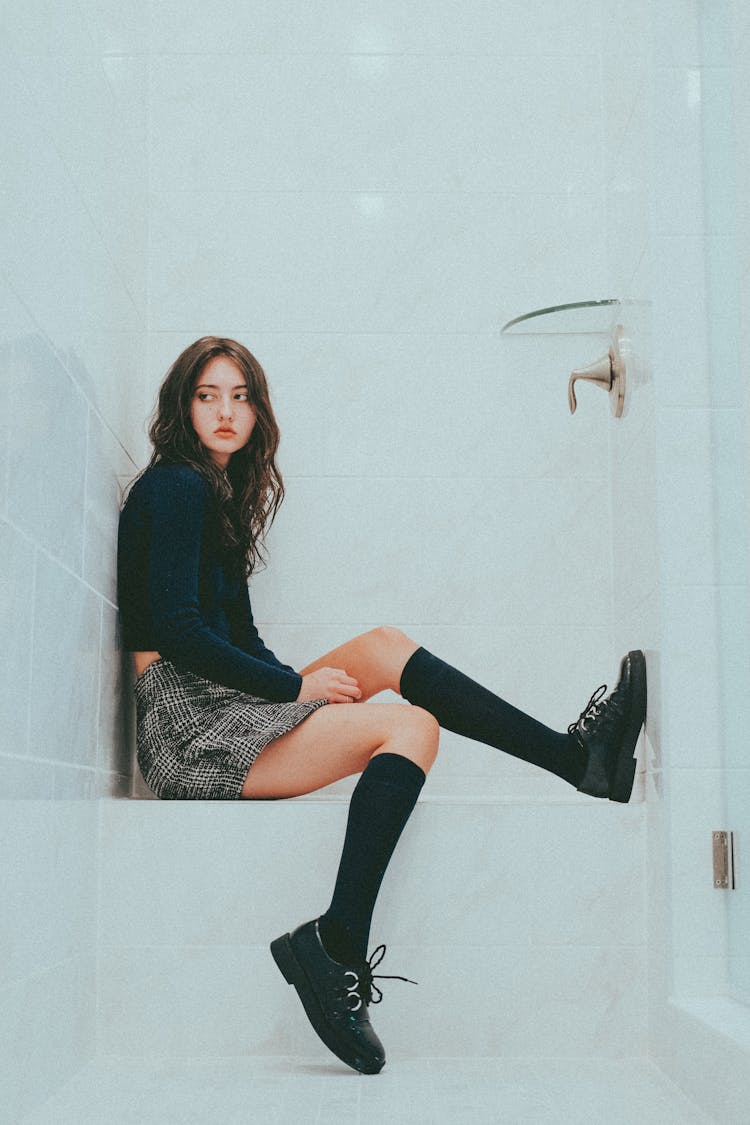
(72, 320)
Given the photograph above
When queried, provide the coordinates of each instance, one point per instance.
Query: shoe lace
(363, 988)
(591, 711)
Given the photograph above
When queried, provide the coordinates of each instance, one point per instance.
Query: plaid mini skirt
(196, 739)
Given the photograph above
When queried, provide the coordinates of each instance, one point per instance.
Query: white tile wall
(634, 520)
(74, 135)
(47, 451)
(47, 1032)
(72, 320)
(428, 123)
(49, 884)
(48, 978)
(107, 464)
(110, 369)
(685, 499)
(678, 205)
(393, 184)
(724, 263)
(538, 989)
(47, 28)
(404, 261)
(680, 329)
(472, 906)
(335, 26)
(81, 97)
(115, 30)
(702, 478)
(457, 878)
(16, 618)
(676, 33)
(66, 619)
(419, 560)
(698, 910)
(738, 910)
(735, 659)
(690, 677)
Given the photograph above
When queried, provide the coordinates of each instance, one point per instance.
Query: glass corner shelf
(576, 317)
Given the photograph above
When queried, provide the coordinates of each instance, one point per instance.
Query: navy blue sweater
(175, 594)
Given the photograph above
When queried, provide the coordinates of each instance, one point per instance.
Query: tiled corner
(46, 476)
(66, 619)
(116, 720)
(16, 610)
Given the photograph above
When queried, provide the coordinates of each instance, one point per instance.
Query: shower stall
(365, 196)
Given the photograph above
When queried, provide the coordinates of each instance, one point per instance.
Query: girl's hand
(332, 684)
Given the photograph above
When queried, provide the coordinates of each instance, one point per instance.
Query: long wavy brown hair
(251, 489)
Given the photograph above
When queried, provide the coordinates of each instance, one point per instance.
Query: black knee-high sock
(465, 707)
(381, 804)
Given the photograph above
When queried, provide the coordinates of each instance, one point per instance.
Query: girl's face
(222, 416)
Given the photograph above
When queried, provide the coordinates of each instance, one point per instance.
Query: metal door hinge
(723, 844)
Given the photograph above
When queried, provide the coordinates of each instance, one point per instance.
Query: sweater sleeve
(178, 517)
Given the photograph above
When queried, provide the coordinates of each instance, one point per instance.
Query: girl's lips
(225, 433)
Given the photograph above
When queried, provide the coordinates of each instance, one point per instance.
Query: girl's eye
(204, 396)
(243, 396)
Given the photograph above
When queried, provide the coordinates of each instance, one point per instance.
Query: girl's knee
(427, 732)
(389, 632)
(426, 721)
(391, 635)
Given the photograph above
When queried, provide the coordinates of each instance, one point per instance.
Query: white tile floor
(283, 1091)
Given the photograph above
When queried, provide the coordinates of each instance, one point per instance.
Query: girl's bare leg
(337, 741)
(375, 658)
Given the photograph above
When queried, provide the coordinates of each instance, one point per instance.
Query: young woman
(210, 696)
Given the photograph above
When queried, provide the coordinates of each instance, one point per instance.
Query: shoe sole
(622, 784)
(283, 954)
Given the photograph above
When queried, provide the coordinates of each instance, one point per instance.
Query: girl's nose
(225, 408)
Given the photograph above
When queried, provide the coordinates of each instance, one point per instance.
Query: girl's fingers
(344, 678)
(349, 681)
(347, 697)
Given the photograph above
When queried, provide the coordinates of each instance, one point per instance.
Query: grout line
(97, 929)
(246, 51)
(148, 184)
(54, 559)
(30, 677)
(72, 178)
(260, 943)
(510, 478)
(520, 801)
(242, 52)
(459, 193)
(37, 974)
(99, 688)
(86, 474)
(429, 333)
(474, 626)
(41, 331)
(37, 760)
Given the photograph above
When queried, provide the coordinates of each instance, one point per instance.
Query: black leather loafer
(334, 996)
(608, 729)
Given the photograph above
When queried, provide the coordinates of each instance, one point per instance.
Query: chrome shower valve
(607, 372)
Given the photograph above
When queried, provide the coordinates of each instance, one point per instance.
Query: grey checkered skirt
(196, 739)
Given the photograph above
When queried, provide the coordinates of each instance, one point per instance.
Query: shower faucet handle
(599, 372)
(607, 372)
